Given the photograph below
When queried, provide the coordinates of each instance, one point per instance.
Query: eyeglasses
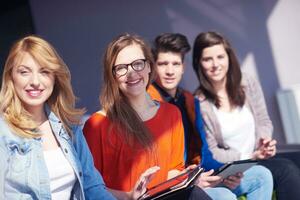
(122, 69)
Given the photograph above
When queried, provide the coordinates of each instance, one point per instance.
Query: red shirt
(120, 165)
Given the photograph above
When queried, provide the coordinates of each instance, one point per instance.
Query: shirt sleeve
(93, 184)
(257, 101)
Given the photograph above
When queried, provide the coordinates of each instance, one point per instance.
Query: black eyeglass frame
(127, 65)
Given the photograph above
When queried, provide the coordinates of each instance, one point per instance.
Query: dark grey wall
(15, 22)
(81, 30)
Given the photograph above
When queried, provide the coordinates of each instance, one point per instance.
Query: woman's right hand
(141, 185)
(206, 179)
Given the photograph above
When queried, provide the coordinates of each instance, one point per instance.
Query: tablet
(232, 168)
(174, 184)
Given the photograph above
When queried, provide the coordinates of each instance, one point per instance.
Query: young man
(169, 51)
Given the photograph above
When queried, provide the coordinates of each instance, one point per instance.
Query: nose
(130, 70)
(35, 80)
(215, 62)
(169, 69)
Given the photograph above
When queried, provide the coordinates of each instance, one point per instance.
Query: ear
(183, 68)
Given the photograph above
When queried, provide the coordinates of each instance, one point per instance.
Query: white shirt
(61, 173)
(238, 130)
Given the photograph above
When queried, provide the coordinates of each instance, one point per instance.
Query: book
(177, 183)
(231, 168)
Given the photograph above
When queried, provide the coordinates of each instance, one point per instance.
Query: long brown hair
(114, 102)
(62, 99)
(234, 76)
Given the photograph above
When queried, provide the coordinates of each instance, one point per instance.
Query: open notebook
(177, 183)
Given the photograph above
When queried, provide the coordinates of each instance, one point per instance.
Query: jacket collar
(56, 124)
(50, 115)
(165, 95)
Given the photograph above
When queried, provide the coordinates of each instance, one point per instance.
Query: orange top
(154, 93)
(120, 165)
(195, 143)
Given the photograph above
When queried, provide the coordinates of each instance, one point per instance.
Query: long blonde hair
(62, 99)
(115, 103)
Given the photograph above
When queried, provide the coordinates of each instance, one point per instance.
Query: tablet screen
(173, 183)
(168, 184)
(234, 167)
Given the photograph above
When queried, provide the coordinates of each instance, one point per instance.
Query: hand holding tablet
(235, 167)
(177, 183)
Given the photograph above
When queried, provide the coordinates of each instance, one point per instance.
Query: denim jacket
(23, 171)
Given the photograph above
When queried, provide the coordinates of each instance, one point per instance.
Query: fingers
(270, 149)
(258, 154)
(208, 173)
(148, 174)
(266, 149)
(207, 180)
(190, 167)
(232, 184)
(141, 185)
(272, 143)
(146, 177)
(233, 181)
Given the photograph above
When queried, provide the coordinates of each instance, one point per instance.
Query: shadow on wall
(245, 25)
(81, 32)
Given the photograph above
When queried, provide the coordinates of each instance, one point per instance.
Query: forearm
(225, 155)
(221, 152)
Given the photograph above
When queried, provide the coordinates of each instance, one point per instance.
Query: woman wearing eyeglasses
(136, 142)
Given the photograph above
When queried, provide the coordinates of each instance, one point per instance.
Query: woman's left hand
(270, 148)
(266, 149)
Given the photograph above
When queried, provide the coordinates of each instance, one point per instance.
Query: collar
(56, 124)
(50, 115)
(166, 96)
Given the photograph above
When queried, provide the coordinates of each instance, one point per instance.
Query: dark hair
(234, 76)
(114, 102)
(171, 42)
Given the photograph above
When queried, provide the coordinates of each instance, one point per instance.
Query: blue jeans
(257, 184)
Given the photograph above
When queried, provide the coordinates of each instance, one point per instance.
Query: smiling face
(133, 83)
(215, 63)
(32, 83)
(169, 68)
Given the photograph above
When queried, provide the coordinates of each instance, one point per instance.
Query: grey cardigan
(255, 101)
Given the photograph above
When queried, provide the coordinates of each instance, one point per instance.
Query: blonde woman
(45, 153)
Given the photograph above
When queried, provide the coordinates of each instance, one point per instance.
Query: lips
(169, 80)
(133, 82)
(34, 93)
(216, 72)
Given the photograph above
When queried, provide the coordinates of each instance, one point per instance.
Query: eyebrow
(24, 67)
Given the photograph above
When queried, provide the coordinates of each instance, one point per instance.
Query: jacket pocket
(20, 156)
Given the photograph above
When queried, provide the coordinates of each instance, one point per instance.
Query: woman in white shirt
(235, 115)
